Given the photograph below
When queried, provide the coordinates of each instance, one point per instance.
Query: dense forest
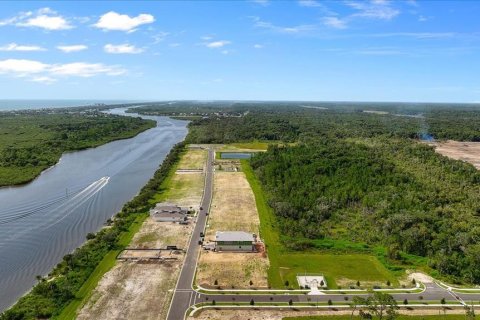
(224, 122)
(358, 173)
(33, 141)
(396, 194)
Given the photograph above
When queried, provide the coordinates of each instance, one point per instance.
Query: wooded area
(31, 141)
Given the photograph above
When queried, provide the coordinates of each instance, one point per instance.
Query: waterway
(42, 221)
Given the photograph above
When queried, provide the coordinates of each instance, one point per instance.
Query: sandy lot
(232, 269)
(233, 209)
(161, 234)
(466, 151)
(132, 291)
(233, 205)
(193, 159)
(278, 315)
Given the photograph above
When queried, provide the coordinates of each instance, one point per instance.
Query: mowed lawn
(361, 267)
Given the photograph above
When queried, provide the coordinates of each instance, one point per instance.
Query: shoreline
(127, 213)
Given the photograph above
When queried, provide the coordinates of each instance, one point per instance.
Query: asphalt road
(184, 296)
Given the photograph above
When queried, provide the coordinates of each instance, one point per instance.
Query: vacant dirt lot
(466, 151)
(233, 205)
(161, 234)
(132, 291)
(232, 269)
(193, 159)
(233, 209)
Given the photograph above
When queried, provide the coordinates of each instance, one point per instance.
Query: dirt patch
(193, 159)
(132, 291)
(233, 205)
(232, 269)
(465, 151)
(280, 314)
(233, 209)
(154, 234)
(422, 277)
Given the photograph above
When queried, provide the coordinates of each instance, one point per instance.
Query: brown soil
(466, 151)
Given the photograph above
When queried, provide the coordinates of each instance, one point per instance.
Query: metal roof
(234, 236)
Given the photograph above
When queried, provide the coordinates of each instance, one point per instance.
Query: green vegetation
(73, 279)
(285, 264)
(401, 195)
(32, 141)
(360, 183)
(401, 317)
(366, 268)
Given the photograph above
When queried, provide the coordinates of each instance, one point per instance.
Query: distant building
(168, 212)
(235, 241)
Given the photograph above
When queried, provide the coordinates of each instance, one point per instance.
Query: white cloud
(16, 47)
(263, 3)
(258, 46)
(43, 79)
(334, 22)
(122, 48)
(82, 69)
(122, 22)
(376, 9)
(159, 37)
(48, 73)
(422, 18)
(44, 18)
(174, 45)
(258, 23)
(72, 48)
(21, 67)
(309, 3)
(217, 44)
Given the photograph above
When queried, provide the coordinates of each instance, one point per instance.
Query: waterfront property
(235, 241)
(167, 212)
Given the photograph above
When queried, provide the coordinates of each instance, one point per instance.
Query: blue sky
(252, 50)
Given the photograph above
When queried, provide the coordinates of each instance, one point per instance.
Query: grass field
(338, 269)
(186, 188)
(401, 317)
(344, 269)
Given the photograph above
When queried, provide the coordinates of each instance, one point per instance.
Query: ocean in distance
(6, 104)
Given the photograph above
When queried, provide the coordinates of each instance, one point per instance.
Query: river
(42, 221)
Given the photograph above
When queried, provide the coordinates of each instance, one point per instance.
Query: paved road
(432, 294)
(184, 295)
